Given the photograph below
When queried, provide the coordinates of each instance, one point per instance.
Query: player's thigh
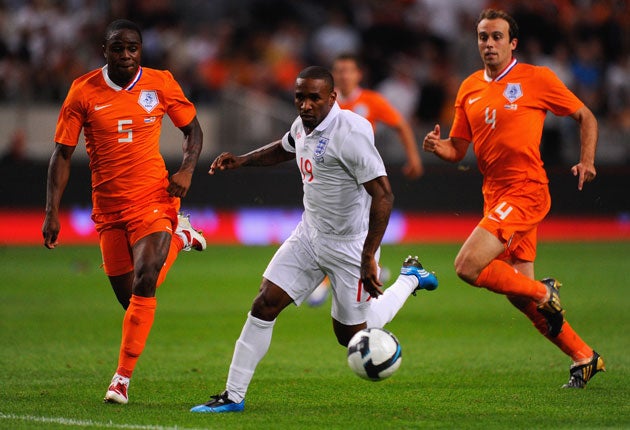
(116, 252)
(294, 267)
(341, 261)
(153, 218)
(514, 218)
(479, 249)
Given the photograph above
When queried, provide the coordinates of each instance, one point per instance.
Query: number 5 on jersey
(121, 129)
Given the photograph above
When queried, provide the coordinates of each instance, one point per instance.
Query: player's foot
(117, 391)
(192, 238)
(580, 374)
(319, 295)
(220, 403)
(552, 309)
(426, 280)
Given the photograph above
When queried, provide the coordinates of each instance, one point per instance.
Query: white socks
(383, 309)
(251, 347)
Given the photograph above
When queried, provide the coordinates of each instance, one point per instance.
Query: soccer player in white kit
(347, 203)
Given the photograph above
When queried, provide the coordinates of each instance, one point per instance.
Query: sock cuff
(143, 301)
(258, 322)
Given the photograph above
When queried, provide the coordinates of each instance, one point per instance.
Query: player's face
(347, 75)
(313, 100)
(123, 52)
(495, 47)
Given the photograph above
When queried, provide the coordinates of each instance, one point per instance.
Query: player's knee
(265, 308)
(466, 271)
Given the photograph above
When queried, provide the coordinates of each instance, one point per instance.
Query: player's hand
(179, 184)
(224, 161)
(585, 173)
(431, 141)
(369, 277)
(50, 231)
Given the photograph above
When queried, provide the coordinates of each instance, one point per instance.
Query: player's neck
(493, 73)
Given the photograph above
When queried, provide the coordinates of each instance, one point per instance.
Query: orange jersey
(122, 133)
(504, 119)
(371, 106)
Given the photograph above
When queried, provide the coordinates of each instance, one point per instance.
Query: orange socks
(568, 340)
(136, 327)
(500, 277)
(176, 245)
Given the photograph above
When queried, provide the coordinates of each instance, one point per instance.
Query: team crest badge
(148, 100)
(320, 150)
(513, 92)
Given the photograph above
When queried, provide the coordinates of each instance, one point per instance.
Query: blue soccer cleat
(426, 280)
(219, 404)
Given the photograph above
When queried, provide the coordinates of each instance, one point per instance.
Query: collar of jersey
(502, 74)
(115, 86)
(334, 111)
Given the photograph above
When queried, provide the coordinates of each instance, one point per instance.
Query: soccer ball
(374, 354)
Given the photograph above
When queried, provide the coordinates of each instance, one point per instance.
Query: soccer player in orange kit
(135, 204)
(375, 108)
(501, 109)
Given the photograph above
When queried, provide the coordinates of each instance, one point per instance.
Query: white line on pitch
(86, 423)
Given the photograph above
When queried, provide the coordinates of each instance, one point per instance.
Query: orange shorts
(119, 231)
(513, 213)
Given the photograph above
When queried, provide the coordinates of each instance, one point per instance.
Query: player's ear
(333, 98)
(104, 52)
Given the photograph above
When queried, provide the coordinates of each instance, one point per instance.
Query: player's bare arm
(58, 175)
(267, 155)
(380, 209)
(193, 141)
(413, 168)
(585, 169)
(452, 149)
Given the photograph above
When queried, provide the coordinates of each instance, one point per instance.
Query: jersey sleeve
(71, 118)
(288, 140)
(385, 112)
(461, 127)
(360, 155)
(178, 107)
(558, 98)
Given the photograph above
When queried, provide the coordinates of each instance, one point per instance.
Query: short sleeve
(178, 107)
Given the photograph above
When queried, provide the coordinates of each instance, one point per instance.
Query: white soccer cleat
(117, 391)
(192, 238)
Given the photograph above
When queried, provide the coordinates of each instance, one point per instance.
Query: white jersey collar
(334, 111)
(503, 72)
(117, 87)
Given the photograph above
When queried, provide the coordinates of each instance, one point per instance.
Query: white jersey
(335, 160)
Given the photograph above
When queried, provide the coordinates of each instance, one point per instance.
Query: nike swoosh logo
(97, 107)
(471, 101)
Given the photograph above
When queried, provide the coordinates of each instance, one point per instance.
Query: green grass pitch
(470, 360)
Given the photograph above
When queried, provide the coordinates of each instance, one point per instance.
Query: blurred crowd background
(415, 52)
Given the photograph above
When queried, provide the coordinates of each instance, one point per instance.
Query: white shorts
(304, 260)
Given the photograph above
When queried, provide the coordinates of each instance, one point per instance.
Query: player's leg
(251, 346)
(290, 277)
(477, 264)
(568, 340)
(117, 262)
(412, 277)
(149, 254)
(186, 237)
